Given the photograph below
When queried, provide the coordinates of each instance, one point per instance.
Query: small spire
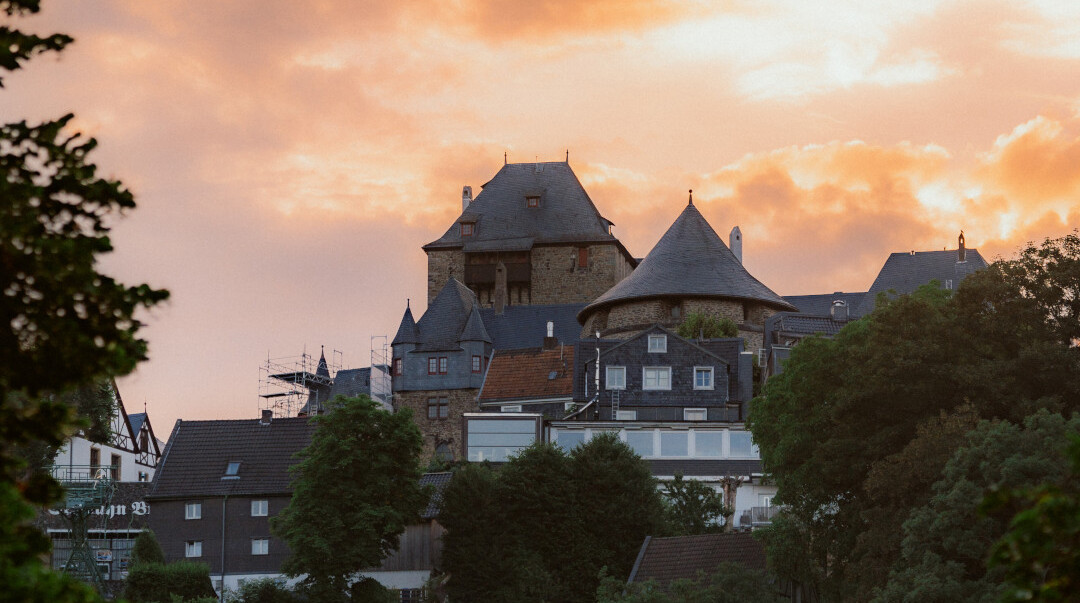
(691, 196)
(567, 155)
(406, 303)
(504, 157)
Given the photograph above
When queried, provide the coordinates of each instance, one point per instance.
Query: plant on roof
(63, 324)
(699, 325)
(356, 488)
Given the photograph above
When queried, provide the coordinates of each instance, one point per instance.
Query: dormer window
(232, 469)
(532, 201)
(468, 229)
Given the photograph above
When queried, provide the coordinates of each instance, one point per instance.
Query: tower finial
(567, 155)
(691, 196)
(504, 157)
(406, 303)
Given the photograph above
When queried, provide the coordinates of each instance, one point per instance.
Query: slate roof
(525, 375)
(137, 421)
(444, 321)
(474, 329)
(690, 260)
(905, 272)
(525, 326)
(198, 452)
(667, 559)
(504, 223)
(821, 304)
(407, 331)
(700, 467)
(351, 383)
(439, 481)
(797, 324)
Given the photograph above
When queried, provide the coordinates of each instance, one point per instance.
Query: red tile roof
(530, 374)
(666, 559)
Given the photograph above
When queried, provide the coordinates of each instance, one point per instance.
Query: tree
(355, 489)
(731, 583)
(63, 325)
(547, 521)
(146, 549)
(158, 582)
(263, 590)
(847, 410)
(1040, 554)
(947, 541)
(706, 326)
(694, 507)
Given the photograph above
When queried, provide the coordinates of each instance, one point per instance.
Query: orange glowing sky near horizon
(290, 158)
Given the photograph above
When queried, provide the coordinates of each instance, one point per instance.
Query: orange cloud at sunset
(290, 158)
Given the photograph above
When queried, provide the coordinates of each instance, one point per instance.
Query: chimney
(466, 197)
(961, 253)
(267, 416)
(549, 341)
(735, 243)
(839, 310)
(500, 288)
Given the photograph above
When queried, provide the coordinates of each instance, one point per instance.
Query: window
(569, 440)
(532, 201)
(438, 408)
(615, 377)
(193, 510)
(144, 441)
(657, 343)
(232, 469)
(397, 367)
(498, 439)
(694, 414)
(674, 443)
(703, 377)
(442, 365)
(95, 458)
(709, 444)
(742, 444)
(626, 415)
(467, 229)
(511, 408)
(193, 548)
(260, 546)
(641, 442)
(476, 364)
(583, 257)
(656, 377)
(432, 365)
(443, 452)
(114, 469)
(260, 508)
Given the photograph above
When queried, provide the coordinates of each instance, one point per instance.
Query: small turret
(735, 243)
(961, 252)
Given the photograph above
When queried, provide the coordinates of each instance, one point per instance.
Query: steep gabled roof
(667, 559)
(525, 326)
(198, 453)
(905, 272)
(566, 214)
(529, 374)
(444, 321)
(690, 260)
(407, 331)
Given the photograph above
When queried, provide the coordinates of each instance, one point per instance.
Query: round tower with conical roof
(689, 270)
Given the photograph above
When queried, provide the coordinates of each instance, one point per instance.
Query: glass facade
(498, 439)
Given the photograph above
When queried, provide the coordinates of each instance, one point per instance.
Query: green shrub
(264, 590)
(157, 582)
(146, 549)
(697, 324)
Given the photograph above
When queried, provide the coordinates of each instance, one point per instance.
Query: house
(665, 560)
(131, 452)
(539, 380)
(531, 236)
(219, 484)
(689, 270)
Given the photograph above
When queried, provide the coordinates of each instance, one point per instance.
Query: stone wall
(625, 320)
(436, 431)
(557, 279)
(442, 264)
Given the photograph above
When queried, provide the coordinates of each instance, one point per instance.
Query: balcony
(758, 516)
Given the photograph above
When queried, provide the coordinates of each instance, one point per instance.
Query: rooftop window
(657, 343)
(232, 469)
(532, 201)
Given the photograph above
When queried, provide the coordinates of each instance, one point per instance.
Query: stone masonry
(437, 431)
(443, 264)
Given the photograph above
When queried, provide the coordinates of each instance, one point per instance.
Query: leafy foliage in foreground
(547, 522)
(731, 583)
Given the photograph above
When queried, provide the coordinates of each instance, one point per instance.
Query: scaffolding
(287, 385)
(379, 380)
(87, 488)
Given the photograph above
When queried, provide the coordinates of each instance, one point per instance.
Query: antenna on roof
(691, 196)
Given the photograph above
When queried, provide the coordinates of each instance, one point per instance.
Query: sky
(290, 158)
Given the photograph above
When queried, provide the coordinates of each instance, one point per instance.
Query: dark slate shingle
(690, 260)
(199, 451)
(439, 481)
(821, 304)
(525, 326)
(407, 331)
(905, 272)
(504, 223)
(441, 325)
